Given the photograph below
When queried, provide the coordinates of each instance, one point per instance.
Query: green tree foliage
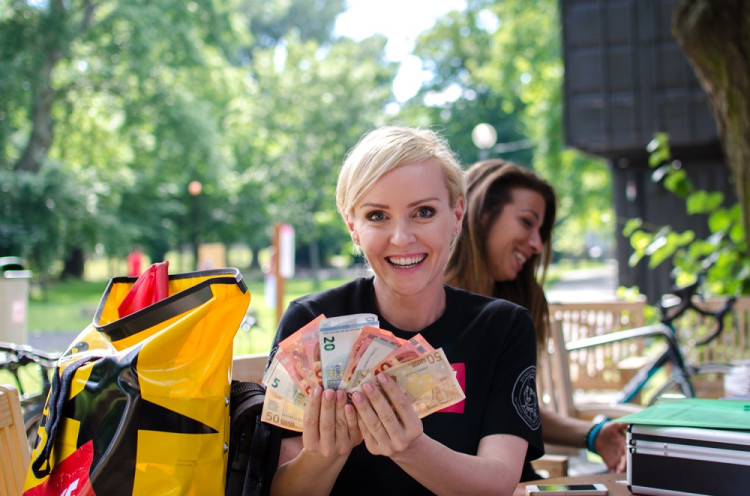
(722, 255)
(131, 101)
(271, 22)
(500, 63)
(314, 109)
(43, 212)
(125, 94)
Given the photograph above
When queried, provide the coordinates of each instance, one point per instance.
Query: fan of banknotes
(343, 353)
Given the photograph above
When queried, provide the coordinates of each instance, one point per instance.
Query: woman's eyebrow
(531, 211)
(410, 205)
(423, 200)
(373, 205)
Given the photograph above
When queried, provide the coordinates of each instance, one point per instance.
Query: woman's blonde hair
(387, 148)
(490, 187)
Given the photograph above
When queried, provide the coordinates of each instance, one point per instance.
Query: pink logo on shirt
(460, 370)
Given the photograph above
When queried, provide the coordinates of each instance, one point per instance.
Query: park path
(585, 285)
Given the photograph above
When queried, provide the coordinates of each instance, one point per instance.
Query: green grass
(260, 337)
(68, 307)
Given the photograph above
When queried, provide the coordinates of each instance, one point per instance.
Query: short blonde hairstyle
(387, 148)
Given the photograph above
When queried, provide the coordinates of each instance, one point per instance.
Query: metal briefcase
(688, 461)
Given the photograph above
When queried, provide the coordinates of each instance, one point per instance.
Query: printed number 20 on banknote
(337, 335)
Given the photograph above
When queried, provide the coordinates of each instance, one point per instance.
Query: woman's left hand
(610, 444)
(387, 421)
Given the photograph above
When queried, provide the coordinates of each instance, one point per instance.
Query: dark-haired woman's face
(514, 235)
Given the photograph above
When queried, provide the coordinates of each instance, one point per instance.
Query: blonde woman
(401, 194)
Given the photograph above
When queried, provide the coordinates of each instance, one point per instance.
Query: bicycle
(671, 307)
(30, 369)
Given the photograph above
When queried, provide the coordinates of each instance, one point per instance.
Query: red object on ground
(151, 286)
(135, 262)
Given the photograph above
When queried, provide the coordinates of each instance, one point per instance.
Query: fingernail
(330, 394)
(369, 388)
(383, 378)
(357, 397)
(318, 391)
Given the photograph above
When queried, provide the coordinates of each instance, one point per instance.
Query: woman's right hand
(310, 464)
(330, 427)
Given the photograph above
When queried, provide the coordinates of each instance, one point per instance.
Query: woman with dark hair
(504, 252)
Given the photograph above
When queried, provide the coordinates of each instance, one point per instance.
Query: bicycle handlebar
(687, 302)
(25, 354)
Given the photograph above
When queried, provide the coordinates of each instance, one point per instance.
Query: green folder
(694, 412)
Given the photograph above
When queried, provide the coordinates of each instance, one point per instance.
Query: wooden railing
(605, 367)
(609, 367)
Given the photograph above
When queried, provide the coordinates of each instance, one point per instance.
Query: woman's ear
(459, 211)
(352, 232)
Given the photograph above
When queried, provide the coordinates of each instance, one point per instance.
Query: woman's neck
(410, 312)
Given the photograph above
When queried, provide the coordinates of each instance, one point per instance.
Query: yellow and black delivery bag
(139, 404)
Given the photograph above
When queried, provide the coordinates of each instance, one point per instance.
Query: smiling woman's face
(514, 235)
(404, 225)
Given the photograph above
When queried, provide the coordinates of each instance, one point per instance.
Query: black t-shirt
(489, 342)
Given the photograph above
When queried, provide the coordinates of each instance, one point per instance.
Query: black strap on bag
(58, 393)
(253, 445)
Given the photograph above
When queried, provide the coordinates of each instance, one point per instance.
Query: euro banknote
(337, 336)
(357, 352)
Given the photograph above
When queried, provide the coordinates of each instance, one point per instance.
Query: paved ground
(584, 285)
(57, 341)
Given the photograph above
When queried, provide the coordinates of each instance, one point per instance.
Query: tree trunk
(315, 263)
(55, 44)
(74, 263)
(41, 118)
(254, 259)
(715, 36)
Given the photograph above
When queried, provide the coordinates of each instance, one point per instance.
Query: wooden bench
(14, 448)
(249, 367)
(556, 392)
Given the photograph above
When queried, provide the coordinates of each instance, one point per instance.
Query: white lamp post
(195, 188)
(484, 137)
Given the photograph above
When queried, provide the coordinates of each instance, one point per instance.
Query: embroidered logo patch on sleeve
(524, 398)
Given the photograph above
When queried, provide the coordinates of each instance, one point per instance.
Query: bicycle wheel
(676, 386)
(32, 419)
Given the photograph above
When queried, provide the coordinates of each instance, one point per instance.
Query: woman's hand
(330, 426)
(387, 421)
(610, 445)
(310, 464)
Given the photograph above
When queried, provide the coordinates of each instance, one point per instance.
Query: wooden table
(616, 483)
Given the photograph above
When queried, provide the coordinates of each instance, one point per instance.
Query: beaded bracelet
(590, 436)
